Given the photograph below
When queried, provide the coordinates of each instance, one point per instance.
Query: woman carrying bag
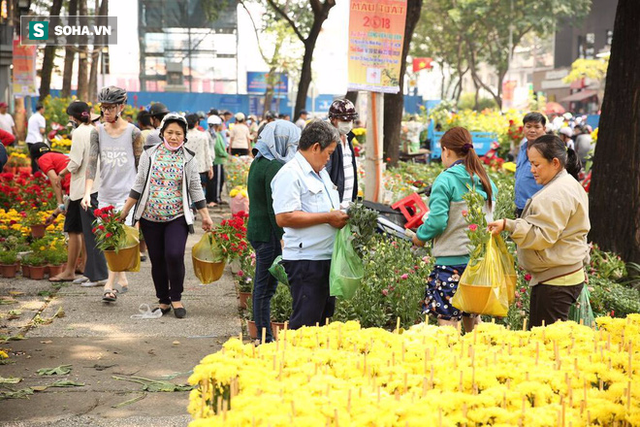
(552, 233)
(167, 184)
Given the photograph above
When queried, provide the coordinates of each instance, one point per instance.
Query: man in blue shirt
(526, 186)
(307, 205)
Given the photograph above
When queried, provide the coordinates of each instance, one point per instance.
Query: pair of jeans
(264, 284)
(166, 242)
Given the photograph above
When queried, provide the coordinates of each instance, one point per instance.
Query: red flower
(108, 235)
(97, 213)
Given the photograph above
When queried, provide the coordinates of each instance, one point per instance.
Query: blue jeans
(264, 284)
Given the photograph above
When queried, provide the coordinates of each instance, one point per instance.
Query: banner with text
(376, 35)
(24, 70)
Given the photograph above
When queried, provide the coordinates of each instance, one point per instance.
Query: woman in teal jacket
(445, 224)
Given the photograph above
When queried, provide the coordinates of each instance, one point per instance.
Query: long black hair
(551, 147)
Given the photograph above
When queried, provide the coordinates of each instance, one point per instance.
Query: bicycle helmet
(112, 95)
(343, 109)
(173, 118)
(269, 115)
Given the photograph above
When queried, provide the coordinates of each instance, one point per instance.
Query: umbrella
(554, 107)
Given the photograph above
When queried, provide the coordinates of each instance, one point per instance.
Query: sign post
(376, 36)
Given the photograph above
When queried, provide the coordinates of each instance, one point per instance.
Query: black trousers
(309, 282)
(552, 303)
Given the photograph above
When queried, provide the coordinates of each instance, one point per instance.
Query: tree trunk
(100, 9)
(394, 102)
(69, 56)
(268, 94)
(319, 16)
(352, 96)
(615, 186)
(49, 55)
(83, 60)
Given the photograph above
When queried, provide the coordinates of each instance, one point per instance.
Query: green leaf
(60, 370)
(10, 380)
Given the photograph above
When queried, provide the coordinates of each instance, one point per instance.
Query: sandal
(56, 279)
(110, 295)
(212, 205)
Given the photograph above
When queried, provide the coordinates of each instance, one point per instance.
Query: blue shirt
(526, 185)
(297, 187)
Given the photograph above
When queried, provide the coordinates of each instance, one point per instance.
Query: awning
(579, 96)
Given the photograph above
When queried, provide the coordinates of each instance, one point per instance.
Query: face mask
(344, 127)
(169, 147)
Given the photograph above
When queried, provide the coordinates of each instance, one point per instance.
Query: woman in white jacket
(167, 184)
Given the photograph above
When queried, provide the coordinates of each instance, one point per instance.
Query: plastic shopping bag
(208, 259)
(346, 266)
(580, 311)
(483, 286)
(277, 270)
(509, 267)
(126, 257)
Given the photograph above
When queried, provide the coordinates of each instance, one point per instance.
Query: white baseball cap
(566, 131)
(214, 120)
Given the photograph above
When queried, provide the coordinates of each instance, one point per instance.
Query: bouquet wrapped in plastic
(581, 311)
(208, 259)
(484, 285)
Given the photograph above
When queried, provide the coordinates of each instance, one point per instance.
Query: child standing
(446, 225)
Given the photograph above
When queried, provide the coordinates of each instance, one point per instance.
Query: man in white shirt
(35, 131)
(6, 121)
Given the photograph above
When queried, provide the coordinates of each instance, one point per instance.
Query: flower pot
(37, 231)
(276, 327)
(244, 296)
(36, 272)
(251, 328)
(127, 259)
(9, 270)
(207, 271)
(26, 273)
(54, 270)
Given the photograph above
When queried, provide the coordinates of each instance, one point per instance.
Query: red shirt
(56, 162)
(6, 138)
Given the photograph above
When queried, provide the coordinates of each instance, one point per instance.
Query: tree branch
(255, 29)
(289, 20)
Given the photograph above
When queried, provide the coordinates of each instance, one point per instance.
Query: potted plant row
(36, 263)
(9, 264)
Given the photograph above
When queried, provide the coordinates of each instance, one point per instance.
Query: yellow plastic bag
(509, 269)
(483, 287)
(126, 257)
(208, 260)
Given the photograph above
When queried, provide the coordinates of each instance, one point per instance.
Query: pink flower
(240, 273)
(465, 213)
(518, 304)
(473, 227)
(404, 276)
(385, 292)
(527, 277)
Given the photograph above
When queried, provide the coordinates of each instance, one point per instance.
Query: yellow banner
(376, 35)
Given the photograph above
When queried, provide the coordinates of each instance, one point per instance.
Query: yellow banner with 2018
(376, 37)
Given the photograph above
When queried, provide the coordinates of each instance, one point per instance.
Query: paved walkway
(101, 342)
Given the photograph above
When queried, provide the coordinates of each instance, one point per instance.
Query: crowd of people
(302, 179)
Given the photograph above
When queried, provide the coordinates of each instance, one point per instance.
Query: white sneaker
(93, 284)
(80, 279)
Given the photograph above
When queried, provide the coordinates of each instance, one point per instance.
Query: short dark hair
(144, 118)
(551, 146)
(192, 120)
(39, 106)
(318, 131)
(534, 118)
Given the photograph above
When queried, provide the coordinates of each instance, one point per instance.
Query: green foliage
(34, 259)
(612, 299)
(606, 265)
(394, 284)
(55, 111)
(475, 218)
(504, 206)
(363, 222)
(468, 102)
(56, 257)
(8, 257)
(281, 304)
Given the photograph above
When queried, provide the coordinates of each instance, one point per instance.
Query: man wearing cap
(342, 163)
(302, 120)
(214, 186)
(36, 127)
(6, 121)
(157, 112)
(240, 137)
